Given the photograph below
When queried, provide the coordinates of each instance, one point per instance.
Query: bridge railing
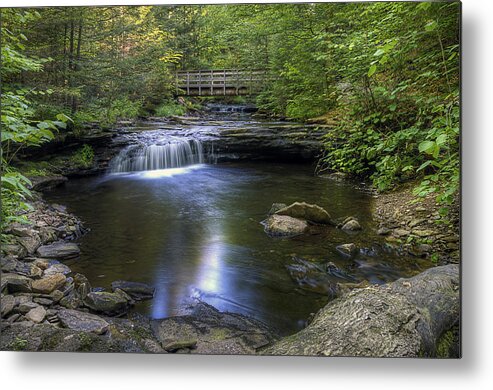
(220, 82)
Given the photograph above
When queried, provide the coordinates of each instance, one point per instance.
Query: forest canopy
(384, 75)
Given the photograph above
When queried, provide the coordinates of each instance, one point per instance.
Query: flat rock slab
(59, 250)
(78, 320)
(136, 290)
(205, 330)
(36, 314)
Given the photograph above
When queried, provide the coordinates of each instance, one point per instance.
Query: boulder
(36, 315)
(308, 212)
(348, 250)
(48, 284)
(78, 320)
(114, 303)
(136, 290)
(283, 225)
(59, 250)
(351, 225)
(15, 283)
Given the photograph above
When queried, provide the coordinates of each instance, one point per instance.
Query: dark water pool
(196, 232)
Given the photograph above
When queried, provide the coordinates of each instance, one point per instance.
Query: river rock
(109, 303)
(36, 315)
(283, 225)
(31, 243)
(26, 307)
(7, 303)
(348, 250)
(136, 290)
(48, 284)
(15, 283)
(16, 250)
(351, 225)
(309, 212)
(82, 285)
(59, 250)
(12, 265)
(58, 268)
(276, 207)
(78, 320)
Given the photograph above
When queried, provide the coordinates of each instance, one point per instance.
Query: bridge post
(224, 82)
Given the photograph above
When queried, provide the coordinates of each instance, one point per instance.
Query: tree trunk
(407, 318)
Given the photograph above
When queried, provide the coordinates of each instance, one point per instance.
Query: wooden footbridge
(220, 82)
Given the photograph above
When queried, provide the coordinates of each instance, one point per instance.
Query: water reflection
(196, 232)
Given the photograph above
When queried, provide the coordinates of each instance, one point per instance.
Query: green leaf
(372, 70)
(427, 146)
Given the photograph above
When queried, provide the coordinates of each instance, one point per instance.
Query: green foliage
(19, 127)
(170, 108)
(19, 344)
(84, 157)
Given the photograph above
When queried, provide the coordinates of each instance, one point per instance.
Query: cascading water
(175, 153)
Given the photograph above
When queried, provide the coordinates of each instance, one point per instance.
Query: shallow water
(196, 232)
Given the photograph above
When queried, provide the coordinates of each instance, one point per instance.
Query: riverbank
(414, 225)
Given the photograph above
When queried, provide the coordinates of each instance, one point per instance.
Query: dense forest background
(384, 75)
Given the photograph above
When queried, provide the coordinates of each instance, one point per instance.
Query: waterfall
(174, 154)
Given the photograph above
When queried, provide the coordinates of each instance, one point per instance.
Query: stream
(170, 213)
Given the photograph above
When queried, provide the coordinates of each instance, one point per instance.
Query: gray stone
(15, 283)
(423, 233)
(308, 212)
(57, 269)
(109, 303)
(31, 243)
(348, 250)
(401, 232)
(26, 307)
(36, 315)
(383, 231)
(283, 225)
(351, 225)
(78, 320)
(136, 290)
(43, 301)
(16, 250)
(7, 303)
(59, 250)
(12, 265)
(276, 207)
(82, 285)
(180, 344)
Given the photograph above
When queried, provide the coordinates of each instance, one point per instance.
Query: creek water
(194, 230)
